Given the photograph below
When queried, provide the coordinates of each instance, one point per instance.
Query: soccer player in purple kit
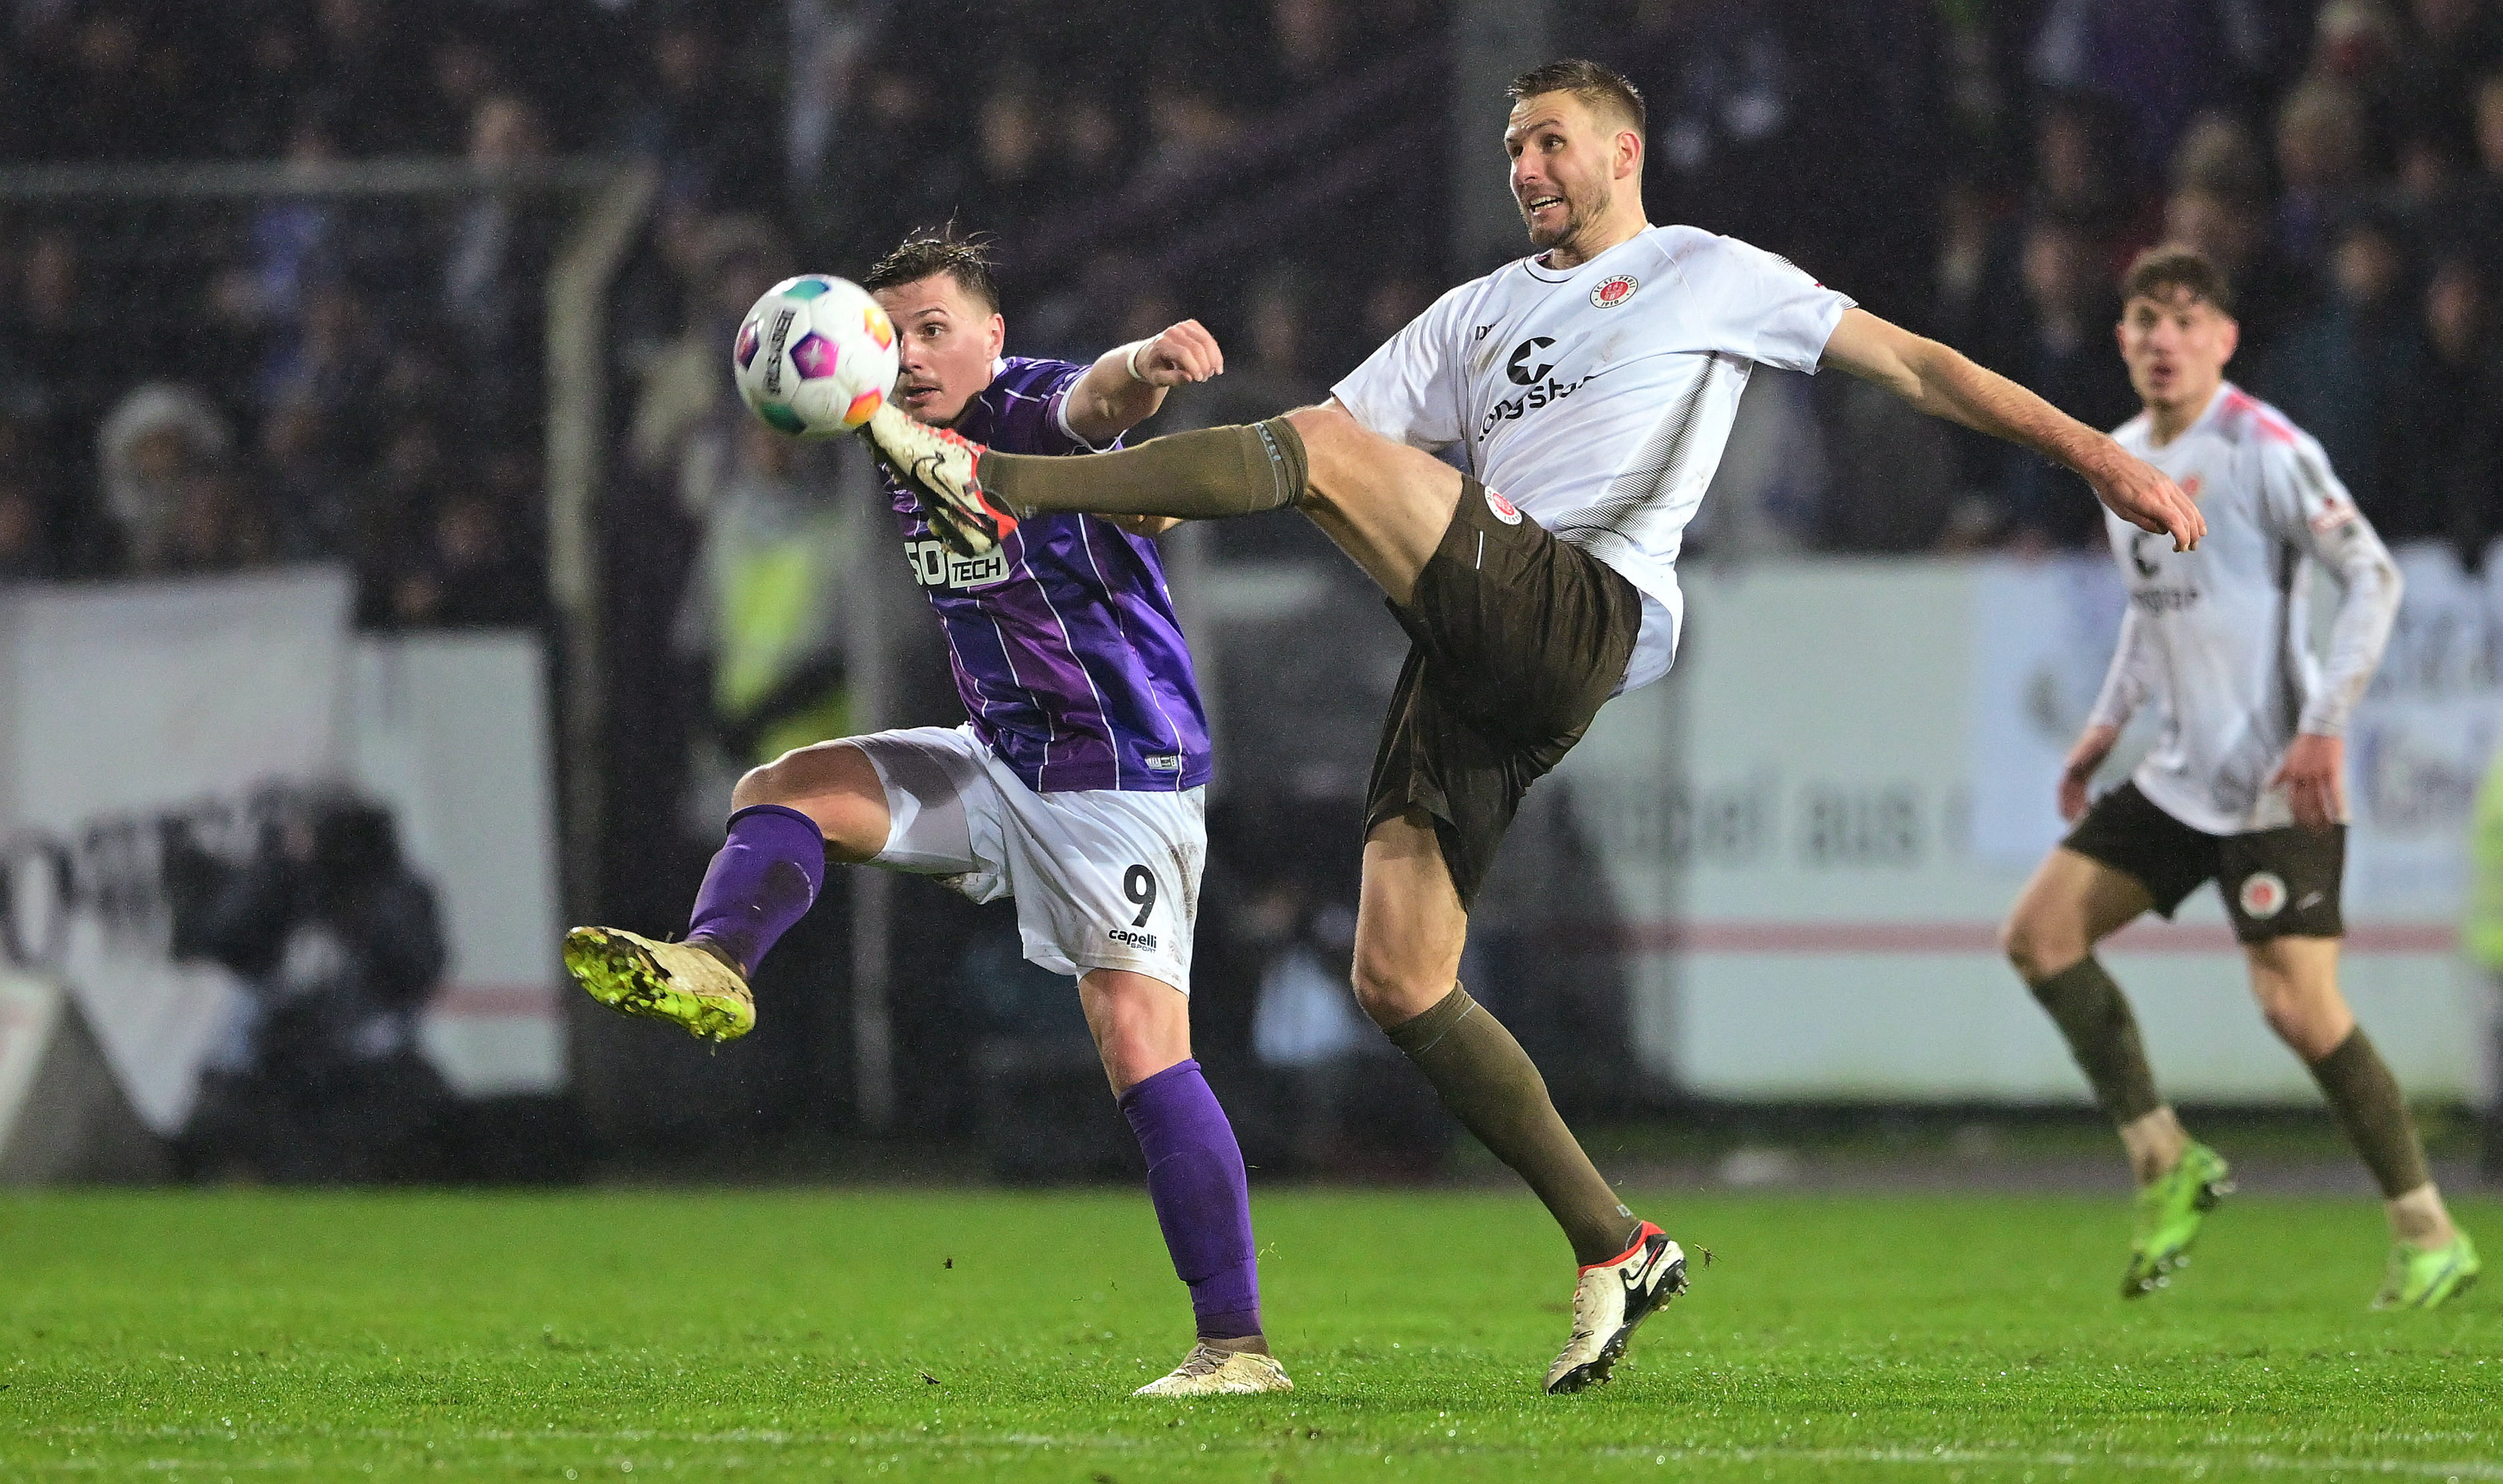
(1076, 786)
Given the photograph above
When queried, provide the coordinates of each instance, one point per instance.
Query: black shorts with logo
(1516, 640)
(2276, 884)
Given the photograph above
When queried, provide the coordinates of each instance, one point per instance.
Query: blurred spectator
(395, 511)
(217, 526)
(2447, 481)
(334, 357)
(2452, 44)
(2162, 60)
(157, 443)
(2063, 350)
(1014, 152)
(701, 120)
(272, 80)
(25, 548)
(2082, 169)
(56, 379)
(763, 611)
(2322, 154)
(892, 165)
(2480, 222)
(467, 569)
(311, 503)
(2217, 156)
(498, 252)
(2233, 232)
(2343, 371)
(364, 63)
(1187, 126)
(732, 261)
(338, 942)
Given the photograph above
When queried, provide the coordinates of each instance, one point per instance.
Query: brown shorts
(2276, 884)
(1516, 638)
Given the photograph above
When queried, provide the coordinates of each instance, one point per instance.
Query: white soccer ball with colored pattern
(816, 357)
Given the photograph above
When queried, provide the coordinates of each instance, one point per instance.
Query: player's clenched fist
(1184, 353)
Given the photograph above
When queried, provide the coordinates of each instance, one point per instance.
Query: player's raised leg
(2296, 982)
(1195, 1180)
(786, 819)
(1385, 504)
(1410, 929)
(2072, 903)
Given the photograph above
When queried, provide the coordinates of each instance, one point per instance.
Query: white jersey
(1599, 399)
(2220, 638)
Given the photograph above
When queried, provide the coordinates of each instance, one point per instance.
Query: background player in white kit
(1595, 384)
(2242, 787)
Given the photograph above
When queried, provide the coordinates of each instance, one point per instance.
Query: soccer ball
(816, 357)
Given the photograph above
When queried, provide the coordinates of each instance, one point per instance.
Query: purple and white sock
(761, 882)
(1202, 1203)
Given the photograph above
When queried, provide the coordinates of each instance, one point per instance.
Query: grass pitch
(853, 1335)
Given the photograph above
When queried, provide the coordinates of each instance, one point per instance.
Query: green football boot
(2424, 1277)
(685, 984)
(2168, 1214)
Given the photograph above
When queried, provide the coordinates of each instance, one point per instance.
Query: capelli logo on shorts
(1143, 941)
(1163, 762)
(1504, 511)
(2263, 895)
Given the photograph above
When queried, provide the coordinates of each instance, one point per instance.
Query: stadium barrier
(1807, 837)
(136, 714)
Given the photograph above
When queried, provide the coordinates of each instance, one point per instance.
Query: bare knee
(2310, 1027)
(2040, 943)
(1391, 993)
(761, 784)
(833, 784)
(1141, 1024)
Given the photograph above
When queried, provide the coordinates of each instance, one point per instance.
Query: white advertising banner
(1814, 827)
(129, 709)
(121, 705)
(451, 731)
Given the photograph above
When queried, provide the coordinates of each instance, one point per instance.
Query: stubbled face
(2175, 347)
(947, 343)
(1563, 167)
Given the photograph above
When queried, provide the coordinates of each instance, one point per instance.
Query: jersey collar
(1547, 275)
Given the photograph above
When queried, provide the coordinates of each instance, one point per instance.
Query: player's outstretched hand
(2139, 494)
(2315, 776)
(2093, 746)
(1186, 352)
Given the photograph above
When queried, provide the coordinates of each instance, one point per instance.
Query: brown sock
(1493, 1088)
(2103, 1035)
(2366, 1098)
(1258, 1344)
(1240, 470)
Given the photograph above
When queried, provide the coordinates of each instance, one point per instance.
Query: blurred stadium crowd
(306, 379)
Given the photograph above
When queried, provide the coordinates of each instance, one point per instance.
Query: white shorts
(1103, 878)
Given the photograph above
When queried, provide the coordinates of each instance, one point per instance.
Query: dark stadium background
(1301, 175)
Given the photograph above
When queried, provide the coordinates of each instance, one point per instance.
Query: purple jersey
(1065, 651)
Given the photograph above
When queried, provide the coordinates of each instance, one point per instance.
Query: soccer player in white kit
(2243, 786)
(1594, 385)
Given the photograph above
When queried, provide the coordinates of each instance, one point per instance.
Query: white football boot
(938, 465)
(1611, 1298)
(685, 984)
(1207, 1371)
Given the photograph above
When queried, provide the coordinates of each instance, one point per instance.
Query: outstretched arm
(1944, 384)
(1126, 384)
